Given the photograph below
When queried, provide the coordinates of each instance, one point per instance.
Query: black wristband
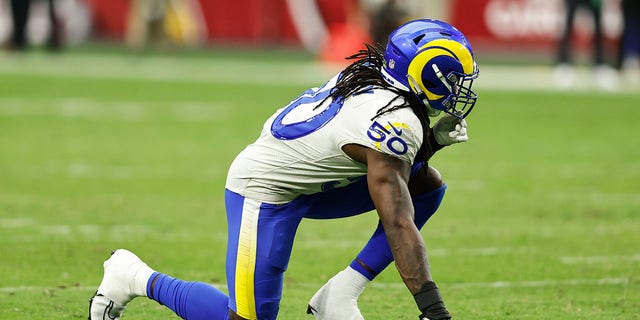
(428, 296)
(430, 302)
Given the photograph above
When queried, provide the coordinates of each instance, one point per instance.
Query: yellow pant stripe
(246, 260)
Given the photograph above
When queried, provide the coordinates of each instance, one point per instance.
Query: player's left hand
(449, 130)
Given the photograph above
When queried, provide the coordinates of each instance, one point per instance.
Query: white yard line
(391, 285)
(172, 69)
(440, 252)
(543, 283)
(520, 284)
(600, 259)
(123, 110)
(246, 71)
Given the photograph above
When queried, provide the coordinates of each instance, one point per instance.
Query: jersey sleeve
(397, 133)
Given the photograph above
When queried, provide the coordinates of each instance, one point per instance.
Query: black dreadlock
(364, 74)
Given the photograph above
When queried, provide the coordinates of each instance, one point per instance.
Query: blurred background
(562, 34)
(120, 118)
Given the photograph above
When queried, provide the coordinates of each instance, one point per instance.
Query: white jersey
(299, 150)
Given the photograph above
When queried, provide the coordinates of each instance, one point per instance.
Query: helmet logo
(392, 63)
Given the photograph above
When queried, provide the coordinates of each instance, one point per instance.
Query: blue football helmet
(435, 61)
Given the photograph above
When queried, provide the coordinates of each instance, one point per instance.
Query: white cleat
(125, 277)
(338, 298)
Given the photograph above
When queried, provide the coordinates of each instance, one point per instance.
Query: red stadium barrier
(501, 26)
(109, 17)
(243, 22)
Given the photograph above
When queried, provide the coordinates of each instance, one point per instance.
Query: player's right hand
(449, 130)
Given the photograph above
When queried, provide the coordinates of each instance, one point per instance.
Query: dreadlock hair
(364, 74)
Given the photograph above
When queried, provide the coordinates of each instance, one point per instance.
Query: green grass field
(97, 152)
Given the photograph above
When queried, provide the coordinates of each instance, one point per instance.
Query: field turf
(101, 151)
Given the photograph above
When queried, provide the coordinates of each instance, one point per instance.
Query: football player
(359, 142)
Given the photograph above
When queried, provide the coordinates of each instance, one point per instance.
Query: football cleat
(125, 277)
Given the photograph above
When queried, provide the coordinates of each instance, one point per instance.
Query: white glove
(449, 130)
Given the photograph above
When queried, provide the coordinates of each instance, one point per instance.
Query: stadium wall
(500, 26)
(254, 22)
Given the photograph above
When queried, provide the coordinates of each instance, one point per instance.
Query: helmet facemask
(461, 99)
